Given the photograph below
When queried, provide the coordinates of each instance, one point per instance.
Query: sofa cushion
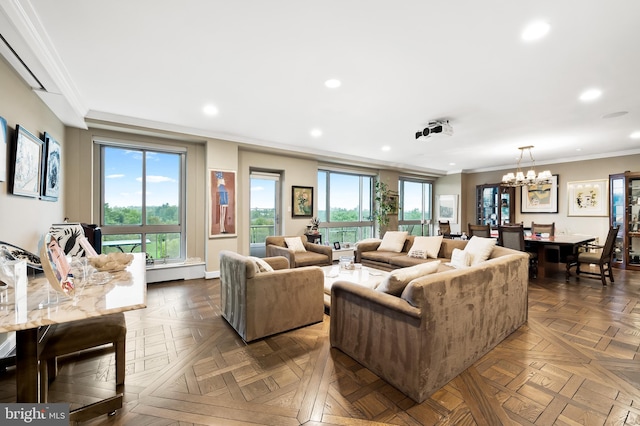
(479, 248)
(261, 265)
(460, 259)
(393, 241)
(424, 247)
(309, 258)
(379, 256)
(296, 244)
(396, 281)
(403, 261)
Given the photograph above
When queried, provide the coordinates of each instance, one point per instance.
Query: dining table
(30, 307)
(566, 242)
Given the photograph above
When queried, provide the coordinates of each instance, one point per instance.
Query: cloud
(257, 188)
(115, 176)
(157, 179)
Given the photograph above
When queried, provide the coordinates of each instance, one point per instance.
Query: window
(142, 201)
(344, 206)
(415, 203)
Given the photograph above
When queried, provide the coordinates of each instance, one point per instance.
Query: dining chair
(512, 236)
(547, 228)
(444, 228)
(73, 337)
(479, 230)
(600, 255)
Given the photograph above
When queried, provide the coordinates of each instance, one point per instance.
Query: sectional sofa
(438, 325)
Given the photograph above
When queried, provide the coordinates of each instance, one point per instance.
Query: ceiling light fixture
(316, 133)
(210, 110)
(520, 179)
(590, 95)
(386, 148)
(333, 83)
(535, 31)
(635, 135)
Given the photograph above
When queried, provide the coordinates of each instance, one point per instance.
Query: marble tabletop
(42, 305)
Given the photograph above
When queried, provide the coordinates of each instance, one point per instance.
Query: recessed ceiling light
(578, 149)
(386, 148)
(615, 114)
(535, 31)
(635, 135)
(590, 95)
(333, 83)
(316, 133)
(210, 110)
(452, 164)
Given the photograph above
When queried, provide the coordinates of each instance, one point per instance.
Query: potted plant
(385, 204)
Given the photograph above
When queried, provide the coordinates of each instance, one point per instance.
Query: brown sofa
(316, 254)
(367, 253)
(440, 325)
(259, 304)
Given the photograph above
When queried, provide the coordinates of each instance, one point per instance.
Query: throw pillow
(393, 241)
(424, 247)
(459, 259)
(479, 249)
(396, 281)
(68, 237)
(295, 244)
(261, 264)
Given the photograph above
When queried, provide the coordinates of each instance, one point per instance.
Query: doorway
(265, 210)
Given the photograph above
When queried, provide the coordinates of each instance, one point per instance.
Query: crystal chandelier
(519, 178)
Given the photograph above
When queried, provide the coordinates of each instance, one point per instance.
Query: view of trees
(156, 215)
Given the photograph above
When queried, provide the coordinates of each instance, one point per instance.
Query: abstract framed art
(448, 208)
(222, 203)
(588, 198)
(542, 198)
(51, 169)
(301, 201)
(27, 163)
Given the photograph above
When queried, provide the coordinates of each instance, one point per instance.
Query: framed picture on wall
(448, 208)
(222, 203)
(27, 164)
(301, 201)
(588, 198)
(541, 198)
(51, 169)
(3, 149)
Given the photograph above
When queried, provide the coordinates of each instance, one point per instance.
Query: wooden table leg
(27, 365)
(542, 261)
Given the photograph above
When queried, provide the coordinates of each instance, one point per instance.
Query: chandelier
(520, 179)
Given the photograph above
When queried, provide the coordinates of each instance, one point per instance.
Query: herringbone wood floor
(576, 361)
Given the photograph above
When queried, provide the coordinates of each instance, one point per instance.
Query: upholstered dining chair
(512, 236)
(480, 230)
(444, 228)
(547, 228)
(73, 337)
(600, 255)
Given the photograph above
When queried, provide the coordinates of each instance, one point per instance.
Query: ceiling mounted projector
(435, 127)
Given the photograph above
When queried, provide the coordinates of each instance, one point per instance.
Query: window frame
(143, 229)
(427, 201)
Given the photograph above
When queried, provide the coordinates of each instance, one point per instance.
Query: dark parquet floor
(575, 362)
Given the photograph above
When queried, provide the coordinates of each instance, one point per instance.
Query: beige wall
(24, 220)
(567, 172)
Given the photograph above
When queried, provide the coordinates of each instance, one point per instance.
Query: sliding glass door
(265, 210)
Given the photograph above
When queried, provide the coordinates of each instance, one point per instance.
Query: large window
(142, 201)
(415, 202)
(344, 206)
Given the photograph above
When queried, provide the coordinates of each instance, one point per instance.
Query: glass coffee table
(361, 275)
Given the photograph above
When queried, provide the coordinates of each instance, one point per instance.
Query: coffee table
(364, 276)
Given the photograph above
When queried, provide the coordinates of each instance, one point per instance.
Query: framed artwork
(222, 203)
(336, 245)
(588, 198)
(392, 198)
(27, 165)
(51, 169)
(3, 149)
(448, 208)
(301, 201)
(540, 198)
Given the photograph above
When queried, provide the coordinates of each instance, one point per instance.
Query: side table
(342, 252)
(314, 238)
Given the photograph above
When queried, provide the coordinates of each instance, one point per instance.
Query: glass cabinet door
(617, 215)
(633, 233)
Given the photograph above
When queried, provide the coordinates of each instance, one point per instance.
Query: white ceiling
(263, 64)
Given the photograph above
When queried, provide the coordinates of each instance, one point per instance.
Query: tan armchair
(259, 304)
(315, 254)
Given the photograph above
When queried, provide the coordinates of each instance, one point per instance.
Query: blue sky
(123, 172)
